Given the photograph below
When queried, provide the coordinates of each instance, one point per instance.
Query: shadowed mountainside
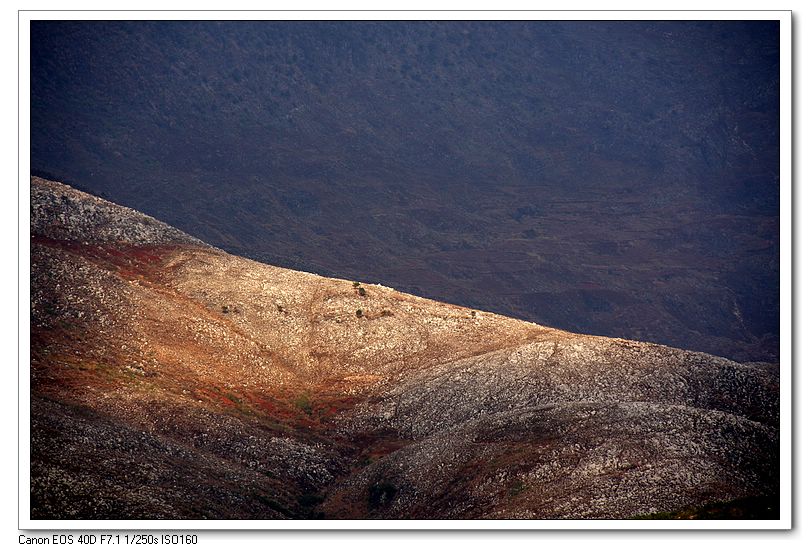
(613, 178)
(173, 380)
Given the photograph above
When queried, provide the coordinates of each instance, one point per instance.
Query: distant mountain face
(171, 380)
(617, 178)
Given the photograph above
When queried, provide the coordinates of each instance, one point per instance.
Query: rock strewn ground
(567, 460)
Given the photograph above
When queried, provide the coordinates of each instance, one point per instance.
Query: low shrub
(304, 403)
(381, 493)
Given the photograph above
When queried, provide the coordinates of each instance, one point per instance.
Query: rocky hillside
(173, 380)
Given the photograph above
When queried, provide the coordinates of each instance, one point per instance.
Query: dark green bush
(304, 403)
(381, 493)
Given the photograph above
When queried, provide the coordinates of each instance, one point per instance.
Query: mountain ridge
(618, 178)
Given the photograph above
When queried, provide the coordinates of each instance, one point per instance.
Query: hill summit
(618, 178)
